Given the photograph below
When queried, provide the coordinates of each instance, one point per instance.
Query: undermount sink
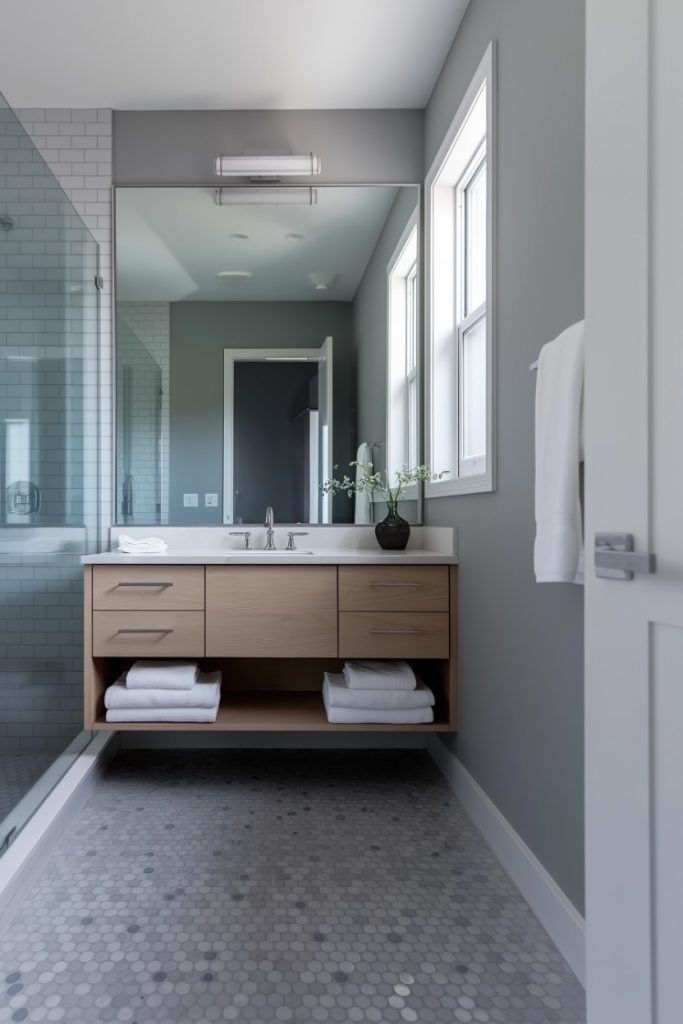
(262, 553)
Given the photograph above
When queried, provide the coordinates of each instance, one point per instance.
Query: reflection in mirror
(261, 348)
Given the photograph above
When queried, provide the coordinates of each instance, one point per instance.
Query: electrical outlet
(190, 500)
(211, 501)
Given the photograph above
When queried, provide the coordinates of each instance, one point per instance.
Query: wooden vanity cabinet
(273, 630)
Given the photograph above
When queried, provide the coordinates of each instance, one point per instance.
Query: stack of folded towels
(141, 545)
(164, 691)
(378, 692)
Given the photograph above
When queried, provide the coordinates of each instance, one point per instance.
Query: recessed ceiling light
(294, 236)
(234, 273)
(238, 237)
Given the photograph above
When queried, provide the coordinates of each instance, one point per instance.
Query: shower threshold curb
(27, 855)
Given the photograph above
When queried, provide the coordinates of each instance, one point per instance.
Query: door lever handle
(615, 558)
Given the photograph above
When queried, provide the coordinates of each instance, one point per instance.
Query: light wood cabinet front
(148, 587)
(386, 588)
(394, 635)
(271, 611)
(148, 634)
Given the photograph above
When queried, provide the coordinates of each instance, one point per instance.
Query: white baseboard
(557, 914)
(26, 857)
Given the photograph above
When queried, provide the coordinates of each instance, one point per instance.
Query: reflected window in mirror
(255, 353)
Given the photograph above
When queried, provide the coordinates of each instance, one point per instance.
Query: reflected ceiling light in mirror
(268, 166)
(322, 280)
(265, 196)
(231, 278)
(237, 236)
(295, 236)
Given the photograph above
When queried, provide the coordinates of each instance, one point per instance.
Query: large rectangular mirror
(265, 339)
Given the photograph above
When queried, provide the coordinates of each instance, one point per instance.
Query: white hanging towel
(558, 551)
(362, 499)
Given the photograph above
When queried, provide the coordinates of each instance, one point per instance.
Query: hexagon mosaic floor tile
(278, 886)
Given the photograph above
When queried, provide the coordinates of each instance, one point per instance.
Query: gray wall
(200, 331)
(521, 656)
(178, 147)
(370, 323)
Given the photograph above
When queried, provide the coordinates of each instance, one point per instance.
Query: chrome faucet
(270, 532)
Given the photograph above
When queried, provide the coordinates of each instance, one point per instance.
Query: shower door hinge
(99, 282)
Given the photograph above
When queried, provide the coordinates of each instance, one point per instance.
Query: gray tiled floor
(18, 772)
(273, 887)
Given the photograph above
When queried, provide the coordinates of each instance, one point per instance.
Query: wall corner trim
(555, 911)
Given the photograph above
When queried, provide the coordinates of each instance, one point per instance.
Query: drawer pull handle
(395, 632)
(145, 584)
(150, 630)
(381, 583)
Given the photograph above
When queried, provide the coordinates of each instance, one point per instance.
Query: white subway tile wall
(57, 381)
(148, 324)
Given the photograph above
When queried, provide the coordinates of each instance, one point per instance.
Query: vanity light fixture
(268, 166)
(265, 196)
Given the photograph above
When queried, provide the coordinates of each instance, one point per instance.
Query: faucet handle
(291, 546)
(242, 533)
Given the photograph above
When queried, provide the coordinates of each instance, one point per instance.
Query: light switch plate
(211, 500)
(190, 500)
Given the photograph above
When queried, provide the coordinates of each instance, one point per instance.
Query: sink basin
(261, 553)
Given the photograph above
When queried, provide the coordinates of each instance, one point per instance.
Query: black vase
(393, 532)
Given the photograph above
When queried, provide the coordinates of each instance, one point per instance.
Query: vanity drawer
(387, 588)
(394, 635)
(148, 587)
(148, 634)
(271, 611)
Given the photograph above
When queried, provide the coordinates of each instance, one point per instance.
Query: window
(460, 286)
(403, 332)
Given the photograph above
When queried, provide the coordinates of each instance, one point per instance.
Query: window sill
(464, 485)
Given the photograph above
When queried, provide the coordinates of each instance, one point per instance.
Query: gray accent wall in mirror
(261, 346)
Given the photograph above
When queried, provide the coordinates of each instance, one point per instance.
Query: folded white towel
(141, 545)
(338, 694)
(377, 716)
(559, 397)
(162, 714)
(379, 675)
(162, 675)
(205, 693)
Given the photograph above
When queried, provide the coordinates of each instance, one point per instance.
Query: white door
(325, 384)
(634, 483)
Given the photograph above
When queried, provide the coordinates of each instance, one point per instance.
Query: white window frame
(463, 478)
(398, 411)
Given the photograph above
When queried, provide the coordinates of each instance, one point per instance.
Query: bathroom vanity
(273, 623)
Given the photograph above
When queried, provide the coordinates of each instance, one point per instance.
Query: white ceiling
(225, 54)
(172, 242)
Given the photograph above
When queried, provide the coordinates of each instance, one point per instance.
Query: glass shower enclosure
(49, 456)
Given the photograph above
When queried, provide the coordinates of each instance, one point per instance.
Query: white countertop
(331, 556)
(328, 545)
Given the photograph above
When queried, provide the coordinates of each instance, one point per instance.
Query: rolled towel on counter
(162, 675)
(141, 545)
(338, 694)
(162, 714)
(377, 716)
(206, 693)
(379, 675)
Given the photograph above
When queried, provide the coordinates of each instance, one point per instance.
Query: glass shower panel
(49, 455)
